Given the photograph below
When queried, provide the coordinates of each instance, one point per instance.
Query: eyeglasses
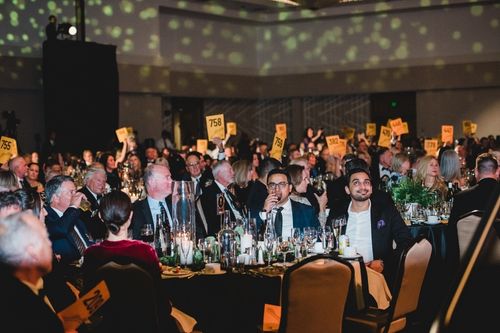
(273, 186)
(191, 165)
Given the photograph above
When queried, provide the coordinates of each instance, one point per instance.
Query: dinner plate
(349, 257)
(173, 271)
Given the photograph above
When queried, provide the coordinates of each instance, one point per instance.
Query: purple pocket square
(380, 224)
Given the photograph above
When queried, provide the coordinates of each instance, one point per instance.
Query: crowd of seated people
(251, 182)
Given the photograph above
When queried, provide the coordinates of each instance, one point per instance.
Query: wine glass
(269, 240)
(297, 239)
(310, 236)
(285, 245)
(326, 238)
(147, 234)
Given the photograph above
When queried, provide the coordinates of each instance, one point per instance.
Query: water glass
(147, 234)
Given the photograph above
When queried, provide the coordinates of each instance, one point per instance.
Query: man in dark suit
(223, 176)
(25, 257)
(196, 174)
(286, 213)
(66, 230)
(19, 168)
(258, 192)
(158, 183)
(476, 197)
(95, 185)
(372, 227)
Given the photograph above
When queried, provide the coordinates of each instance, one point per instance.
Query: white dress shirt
(359, 231)
(287, 218)
(154, 207)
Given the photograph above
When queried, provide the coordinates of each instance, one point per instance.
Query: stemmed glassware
(269, 241)
(285, 245)
(147, 234)
(326, 238)
(310, 236)
(297, 239)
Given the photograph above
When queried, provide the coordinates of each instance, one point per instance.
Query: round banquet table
(228, 302)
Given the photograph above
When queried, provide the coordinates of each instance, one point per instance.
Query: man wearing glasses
(286, 213)
(196, 173)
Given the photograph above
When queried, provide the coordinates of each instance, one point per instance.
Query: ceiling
(269, 6)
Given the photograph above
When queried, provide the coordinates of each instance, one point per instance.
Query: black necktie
(78, 241)
(278, 221)
(163, 212)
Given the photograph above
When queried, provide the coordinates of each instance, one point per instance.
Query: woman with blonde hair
(428, 173)
(242, 179)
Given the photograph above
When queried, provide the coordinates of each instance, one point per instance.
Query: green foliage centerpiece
(411, 191)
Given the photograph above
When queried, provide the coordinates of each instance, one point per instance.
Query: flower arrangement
(410, 191)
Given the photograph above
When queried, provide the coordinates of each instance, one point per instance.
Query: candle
(185, 247)
(246, 242)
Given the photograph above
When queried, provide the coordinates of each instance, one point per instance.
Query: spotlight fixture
(66, 29)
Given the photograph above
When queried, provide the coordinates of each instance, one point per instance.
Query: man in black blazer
(201, 178)
(476, 197)
(25, 257)
(223, 176)
(158, 184)
(67, 231)
(373, 227)
(293, 214)
(19, 168)
(95, 185)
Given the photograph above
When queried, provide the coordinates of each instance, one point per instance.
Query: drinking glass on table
(310, 237)
(285, 245)
(147, 234)
(297, 240)
(338, 223)
(269, 241)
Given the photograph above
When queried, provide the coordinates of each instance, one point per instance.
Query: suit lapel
(375, 216)
(146, 210)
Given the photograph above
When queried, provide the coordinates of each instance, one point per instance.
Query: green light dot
(128, 45)
(374, 60)
(186, 41)
(207, 54)
(25, 37)
(116, 32)
(207, 30)
(126, 6)
(14, 23)
(235, 58)
(1, 17)
(494, 23)
(382, 6)
(476, 10)
(445, 2)
(283, 16)
(145, 71)
(291, 43)
(402, 52)
(107, 10)
(173, 24)
(41, 11)
(129, 31)
(10, 37)
(456, 35)
(357, 19)
(358, 28)
(375, 36)
(351, 53)
(2, 42)
(26, 50)
(97, 32)
(284, 31)
(477, 47)
(439, 63)
(148, 13)
(51, 5)
(384, 43)
(243, 14)
(303, 36)
(430, 46)
(425, 3)
(377, 26)
(13, 15)
(182, 4)
(395, 23)
(422, 30)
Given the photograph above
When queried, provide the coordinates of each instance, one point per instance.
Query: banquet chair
(314, 295)
(466, 228)
(132, 306)
(411, 270)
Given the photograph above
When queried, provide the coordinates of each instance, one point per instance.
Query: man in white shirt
(372, 227)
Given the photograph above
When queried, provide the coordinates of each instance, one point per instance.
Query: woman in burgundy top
(115, 210)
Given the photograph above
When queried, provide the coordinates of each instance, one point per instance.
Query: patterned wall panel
(257, 118)
(334, 112)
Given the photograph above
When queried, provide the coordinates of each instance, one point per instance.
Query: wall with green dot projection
(192, 48)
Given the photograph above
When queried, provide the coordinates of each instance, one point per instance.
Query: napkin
(185, 323)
